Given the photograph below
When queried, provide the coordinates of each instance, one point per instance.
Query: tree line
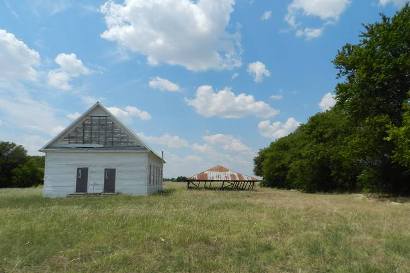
(363, 142)
(177, 179)
(17, 169)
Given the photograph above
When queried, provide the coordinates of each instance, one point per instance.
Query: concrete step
(92, 194)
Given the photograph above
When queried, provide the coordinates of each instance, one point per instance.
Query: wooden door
(82, 180)
(109, 180)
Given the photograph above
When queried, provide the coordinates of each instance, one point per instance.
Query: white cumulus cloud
(226, 104)
(258, 71)
(328, 11)
(17, 60)
(28, 121)
(202, 148)
(48, 7)
(324, 9)
(214, 149)
(398, 3)
(327, 102)
(163, 85)
(89, 100)
(30, 114)
(69, 67)
(227, 150)
(227, 142)
(179, 165)
(224, 149)
(276, 97)
(309, 33)
(167, 140)
(31, 142)
(128, 113)
(277, 129)
(266, 15)
(192, 34)
(73, 116)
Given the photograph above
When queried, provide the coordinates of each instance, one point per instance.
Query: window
(152, 175)
(161, 177)
(156, 175)
(149, 175)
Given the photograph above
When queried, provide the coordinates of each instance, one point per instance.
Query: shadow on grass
(389, 198)
(36, 200)
(220, 190)
(166, 192)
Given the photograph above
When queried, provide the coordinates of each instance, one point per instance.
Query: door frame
(107, 186)
(79, 175)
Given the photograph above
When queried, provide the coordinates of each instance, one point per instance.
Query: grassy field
(203, 231)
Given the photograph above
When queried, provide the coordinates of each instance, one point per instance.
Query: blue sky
(208, 82)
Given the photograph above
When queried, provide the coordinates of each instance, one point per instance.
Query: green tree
(258, 163)
(181, 179)
(377, 82)
(376, 70)
(326, 163)
(11, 157)
(400, 137)
(28, 174)
(278, 157)
(17, 169)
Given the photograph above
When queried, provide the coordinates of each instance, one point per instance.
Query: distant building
(222, 178)
(99, 154)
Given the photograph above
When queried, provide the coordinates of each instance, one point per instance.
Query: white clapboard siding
(61, 169)
(157, 163)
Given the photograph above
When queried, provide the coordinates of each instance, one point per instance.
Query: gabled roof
(78, 121)
(221, 173)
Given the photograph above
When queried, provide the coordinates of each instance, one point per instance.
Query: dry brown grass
(204, 231)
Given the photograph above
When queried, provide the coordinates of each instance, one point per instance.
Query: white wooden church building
(99, 154)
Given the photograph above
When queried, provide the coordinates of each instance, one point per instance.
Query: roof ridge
(218, 168)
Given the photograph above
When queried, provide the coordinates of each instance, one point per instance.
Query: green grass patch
(203, 231)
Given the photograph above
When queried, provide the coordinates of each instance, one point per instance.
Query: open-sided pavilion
(222, 178)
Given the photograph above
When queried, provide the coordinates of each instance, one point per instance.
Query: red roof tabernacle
(220, 173)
